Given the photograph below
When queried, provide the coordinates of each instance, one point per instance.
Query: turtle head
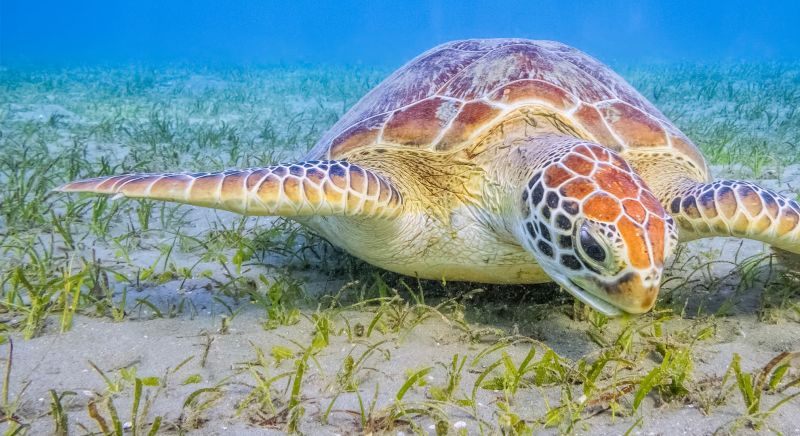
(594, 226)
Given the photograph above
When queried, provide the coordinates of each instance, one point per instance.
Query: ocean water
(384, 33)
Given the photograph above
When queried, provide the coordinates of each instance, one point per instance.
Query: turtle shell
(443, 99)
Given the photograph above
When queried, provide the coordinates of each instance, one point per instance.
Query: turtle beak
(630, 293)
(591, 299)
(633, 295)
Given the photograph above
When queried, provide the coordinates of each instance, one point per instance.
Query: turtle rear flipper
(736, 208)
(321, 188)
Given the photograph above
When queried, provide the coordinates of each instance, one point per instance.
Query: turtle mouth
(597, 303)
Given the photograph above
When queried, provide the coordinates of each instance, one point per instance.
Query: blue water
(386, 33)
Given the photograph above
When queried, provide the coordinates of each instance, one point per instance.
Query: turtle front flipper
(322, 188)
(735, 208)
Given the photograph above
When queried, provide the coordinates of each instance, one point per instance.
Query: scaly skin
(319, 188)
(736, 208)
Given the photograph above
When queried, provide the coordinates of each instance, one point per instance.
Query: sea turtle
(499, 161)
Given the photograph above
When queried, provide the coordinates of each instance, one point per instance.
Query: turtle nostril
(652, 276)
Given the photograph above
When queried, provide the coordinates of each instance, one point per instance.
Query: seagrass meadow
(141, 317)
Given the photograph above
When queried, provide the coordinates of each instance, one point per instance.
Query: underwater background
(386, 34)
(160, 318)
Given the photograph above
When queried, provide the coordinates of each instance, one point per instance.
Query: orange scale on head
(578, 188)
(555, 175)
(634, 210)
(616, 182)
(578, 164)
(634, 237)
(602, 207)
(651, 203)
(656, 233)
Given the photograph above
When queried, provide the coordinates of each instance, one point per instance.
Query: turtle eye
(591, 247)
(592, 250)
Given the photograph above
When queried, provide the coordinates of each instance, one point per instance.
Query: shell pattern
(445, 98)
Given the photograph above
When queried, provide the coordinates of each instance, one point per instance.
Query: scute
(420, 123)
(593, 122)
(355, 136)
(534, 89)
(472, 116)
(638, 128)
(445, 98)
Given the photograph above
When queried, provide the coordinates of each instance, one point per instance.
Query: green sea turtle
(499, 161)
